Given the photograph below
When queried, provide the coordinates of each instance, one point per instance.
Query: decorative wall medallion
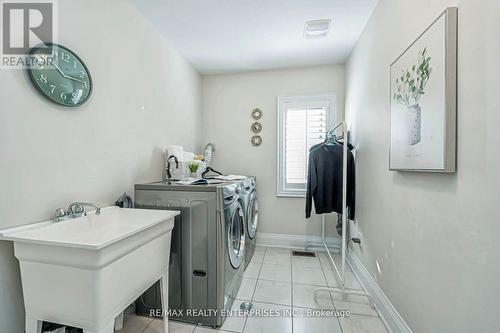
(257, 114)
(256, 127)
(256, 140)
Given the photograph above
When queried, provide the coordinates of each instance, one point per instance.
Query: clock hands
(67, 76)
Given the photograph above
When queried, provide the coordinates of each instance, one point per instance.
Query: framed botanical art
(423, 100)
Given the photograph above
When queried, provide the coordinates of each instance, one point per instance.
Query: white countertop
(91, 231)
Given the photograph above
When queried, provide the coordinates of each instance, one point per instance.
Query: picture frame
(423, 101)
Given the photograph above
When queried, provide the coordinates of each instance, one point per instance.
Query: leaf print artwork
(410, 86)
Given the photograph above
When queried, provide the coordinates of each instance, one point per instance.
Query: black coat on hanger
(325, 178)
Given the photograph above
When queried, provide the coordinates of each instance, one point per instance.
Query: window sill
(291, 195)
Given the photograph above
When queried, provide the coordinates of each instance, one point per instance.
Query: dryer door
(236, 236)
(253, 216)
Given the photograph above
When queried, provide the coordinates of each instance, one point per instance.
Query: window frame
(330, 100)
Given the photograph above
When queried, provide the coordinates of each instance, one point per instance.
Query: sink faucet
(75, 209)
(78, 207)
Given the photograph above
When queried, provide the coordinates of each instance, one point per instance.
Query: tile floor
(275, 280)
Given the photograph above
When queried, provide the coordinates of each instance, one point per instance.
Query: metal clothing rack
(340, 276)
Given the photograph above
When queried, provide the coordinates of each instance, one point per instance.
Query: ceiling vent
(317, 28)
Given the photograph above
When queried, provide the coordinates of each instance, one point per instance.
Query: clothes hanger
(207, 170)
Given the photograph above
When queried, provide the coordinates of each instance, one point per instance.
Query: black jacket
(324, 181)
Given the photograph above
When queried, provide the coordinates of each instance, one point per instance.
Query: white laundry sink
(85, 271)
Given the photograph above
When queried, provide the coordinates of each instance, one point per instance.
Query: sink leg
(108, 328)
(33, 325)
(164, 300)
(119, 322)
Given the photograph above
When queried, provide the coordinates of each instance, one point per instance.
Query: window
(302, 123)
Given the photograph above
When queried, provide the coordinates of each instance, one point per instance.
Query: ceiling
(221, 36)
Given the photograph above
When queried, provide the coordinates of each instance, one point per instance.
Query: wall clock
(60, 75)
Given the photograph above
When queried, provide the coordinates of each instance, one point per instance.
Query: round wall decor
(256, 127)
(256, 140)
(257, 114)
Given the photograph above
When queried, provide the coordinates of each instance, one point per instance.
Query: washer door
(236, 236)
(253, 216)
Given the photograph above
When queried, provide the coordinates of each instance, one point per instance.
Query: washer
(252, 216)
(235, 238)
(207, 249)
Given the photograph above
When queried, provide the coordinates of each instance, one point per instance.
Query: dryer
(207, 249)
(252, 216)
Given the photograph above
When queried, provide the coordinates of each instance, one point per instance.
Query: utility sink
(85, 271)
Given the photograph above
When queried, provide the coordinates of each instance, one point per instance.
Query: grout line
(145, 328)
(331, 293)
(255, 288)
(291, 285)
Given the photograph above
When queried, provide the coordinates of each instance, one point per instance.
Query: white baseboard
(393, 320)
(293, 241)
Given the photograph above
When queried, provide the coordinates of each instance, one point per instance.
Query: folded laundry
(231, 177)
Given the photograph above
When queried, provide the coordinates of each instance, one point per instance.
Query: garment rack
(340, 275)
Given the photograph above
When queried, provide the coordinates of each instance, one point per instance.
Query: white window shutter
(302, 123)
(303, 129)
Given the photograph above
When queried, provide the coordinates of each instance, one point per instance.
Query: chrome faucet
(75, 209)
(78, 207)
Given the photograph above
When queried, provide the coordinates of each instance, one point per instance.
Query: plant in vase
(193, 168)
(410, 87)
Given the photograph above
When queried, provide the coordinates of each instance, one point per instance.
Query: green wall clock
(60, 75)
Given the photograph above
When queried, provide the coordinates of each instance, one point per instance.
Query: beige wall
(145, 97)
(227, 103)
(434, 236)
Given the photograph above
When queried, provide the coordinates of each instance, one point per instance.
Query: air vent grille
(303, 254)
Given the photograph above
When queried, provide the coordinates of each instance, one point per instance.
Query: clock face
(60, 75)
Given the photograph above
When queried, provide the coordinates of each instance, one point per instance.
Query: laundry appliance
(252, 216)
(207, 257)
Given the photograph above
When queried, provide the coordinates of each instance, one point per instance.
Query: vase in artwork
(414, 124)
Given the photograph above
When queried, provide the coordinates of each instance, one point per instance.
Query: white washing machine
(252, 216)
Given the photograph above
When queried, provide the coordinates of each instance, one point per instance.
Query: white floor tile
(252, 270)
(134, 324)
(277, 256)
(278, 250)
(317, 323)
(258, 322)
(354, 303)
(303, 296)
(276, 273)
(309, 262)
(351, 282)
(273, 292)
(247, 289)
(312, 276)
(258, 255)
(201, 329)
(235, 321)
(173, 327)
(327, 264)
(362, 324)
